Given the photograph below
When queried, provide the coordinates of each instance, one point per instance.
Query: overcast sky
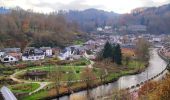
(46, 6)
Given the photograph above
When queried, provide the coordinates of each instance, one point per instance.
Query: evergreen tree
(107, 51)
(117, 55)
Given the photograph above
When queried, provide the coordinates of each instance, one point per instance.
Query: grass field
(66, 72)
(24, 88)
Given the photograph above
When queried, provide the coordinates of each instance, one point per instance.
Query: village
(73, 52)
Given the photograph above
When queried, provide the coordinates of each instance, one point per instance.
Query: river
(156, 65)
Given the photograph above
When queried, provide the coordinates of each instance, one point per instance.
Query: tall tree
(56, 78)
(117, 55)
(142, 49)
(69, 80)
(88, 76)
(107, 51)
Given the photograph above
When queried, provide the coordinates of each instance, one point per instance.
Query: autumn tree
(88, 76)
(25, 25)
(142, 49)
(103, 71)
(44, 30)
(156, 90)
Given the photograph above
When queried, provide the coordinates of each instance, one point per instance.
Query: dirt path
(42, 84)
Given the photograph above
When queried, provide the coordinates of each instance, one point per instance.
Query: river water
(156, 65)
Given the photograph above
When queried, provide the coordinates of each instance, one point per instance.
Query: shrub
(77, 71)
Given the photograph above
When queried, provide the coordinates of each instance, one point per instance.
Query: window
(6, 59)
(11, 58)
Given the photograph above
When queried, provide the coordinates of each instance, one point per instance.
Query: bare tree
(142, 49)
(56, 75)
(88, 76)
(70, 80)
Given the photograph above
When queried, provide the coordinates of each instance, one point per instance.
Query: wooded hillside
(19, 28)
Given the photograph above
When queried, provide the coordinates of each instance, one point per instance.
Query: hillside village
(90, 47)
(125, 28)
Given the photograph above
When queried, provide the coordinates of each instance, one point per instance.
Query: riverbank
(156, 71)
(152, 92)
(49, 92)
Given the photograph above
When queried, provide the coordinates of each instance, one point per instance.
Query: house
(137, 28)
(66, 53)
(2, 53)
(33, 55)
(56, 51)
(8, 59)
(15, 52)
(99, 29)
(47, 50)
(107, 27)
(156, 39)
(9, 50)
(76, 57)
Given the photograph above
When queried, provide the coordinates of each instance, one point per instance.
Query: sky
(47, 6)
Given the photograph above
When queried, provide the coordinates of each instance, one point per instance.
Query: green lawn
(78, 42)
(66, 72)
(136, 64)
(24, 88)
(75, 72)
(133, 67)
(36, 96)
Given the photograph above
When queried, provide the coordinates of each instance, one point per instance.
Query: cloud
(151, 3)
(120, 6)
(73, 5)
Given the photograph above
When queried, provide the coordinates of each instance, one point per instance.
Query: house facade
(48, 51)
(33, 55)
(8, 59)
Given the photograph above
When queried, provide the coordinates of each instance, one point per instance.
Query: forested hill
(91, 18)
(157, 19)
(19, 28)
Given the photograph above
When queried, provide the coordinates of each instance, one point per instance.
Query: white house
(99, 29)
(8, 59)
(48, 51)
(156, 39)
(107, 27)
(65, 54)
(33, 58)
(33, 55)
